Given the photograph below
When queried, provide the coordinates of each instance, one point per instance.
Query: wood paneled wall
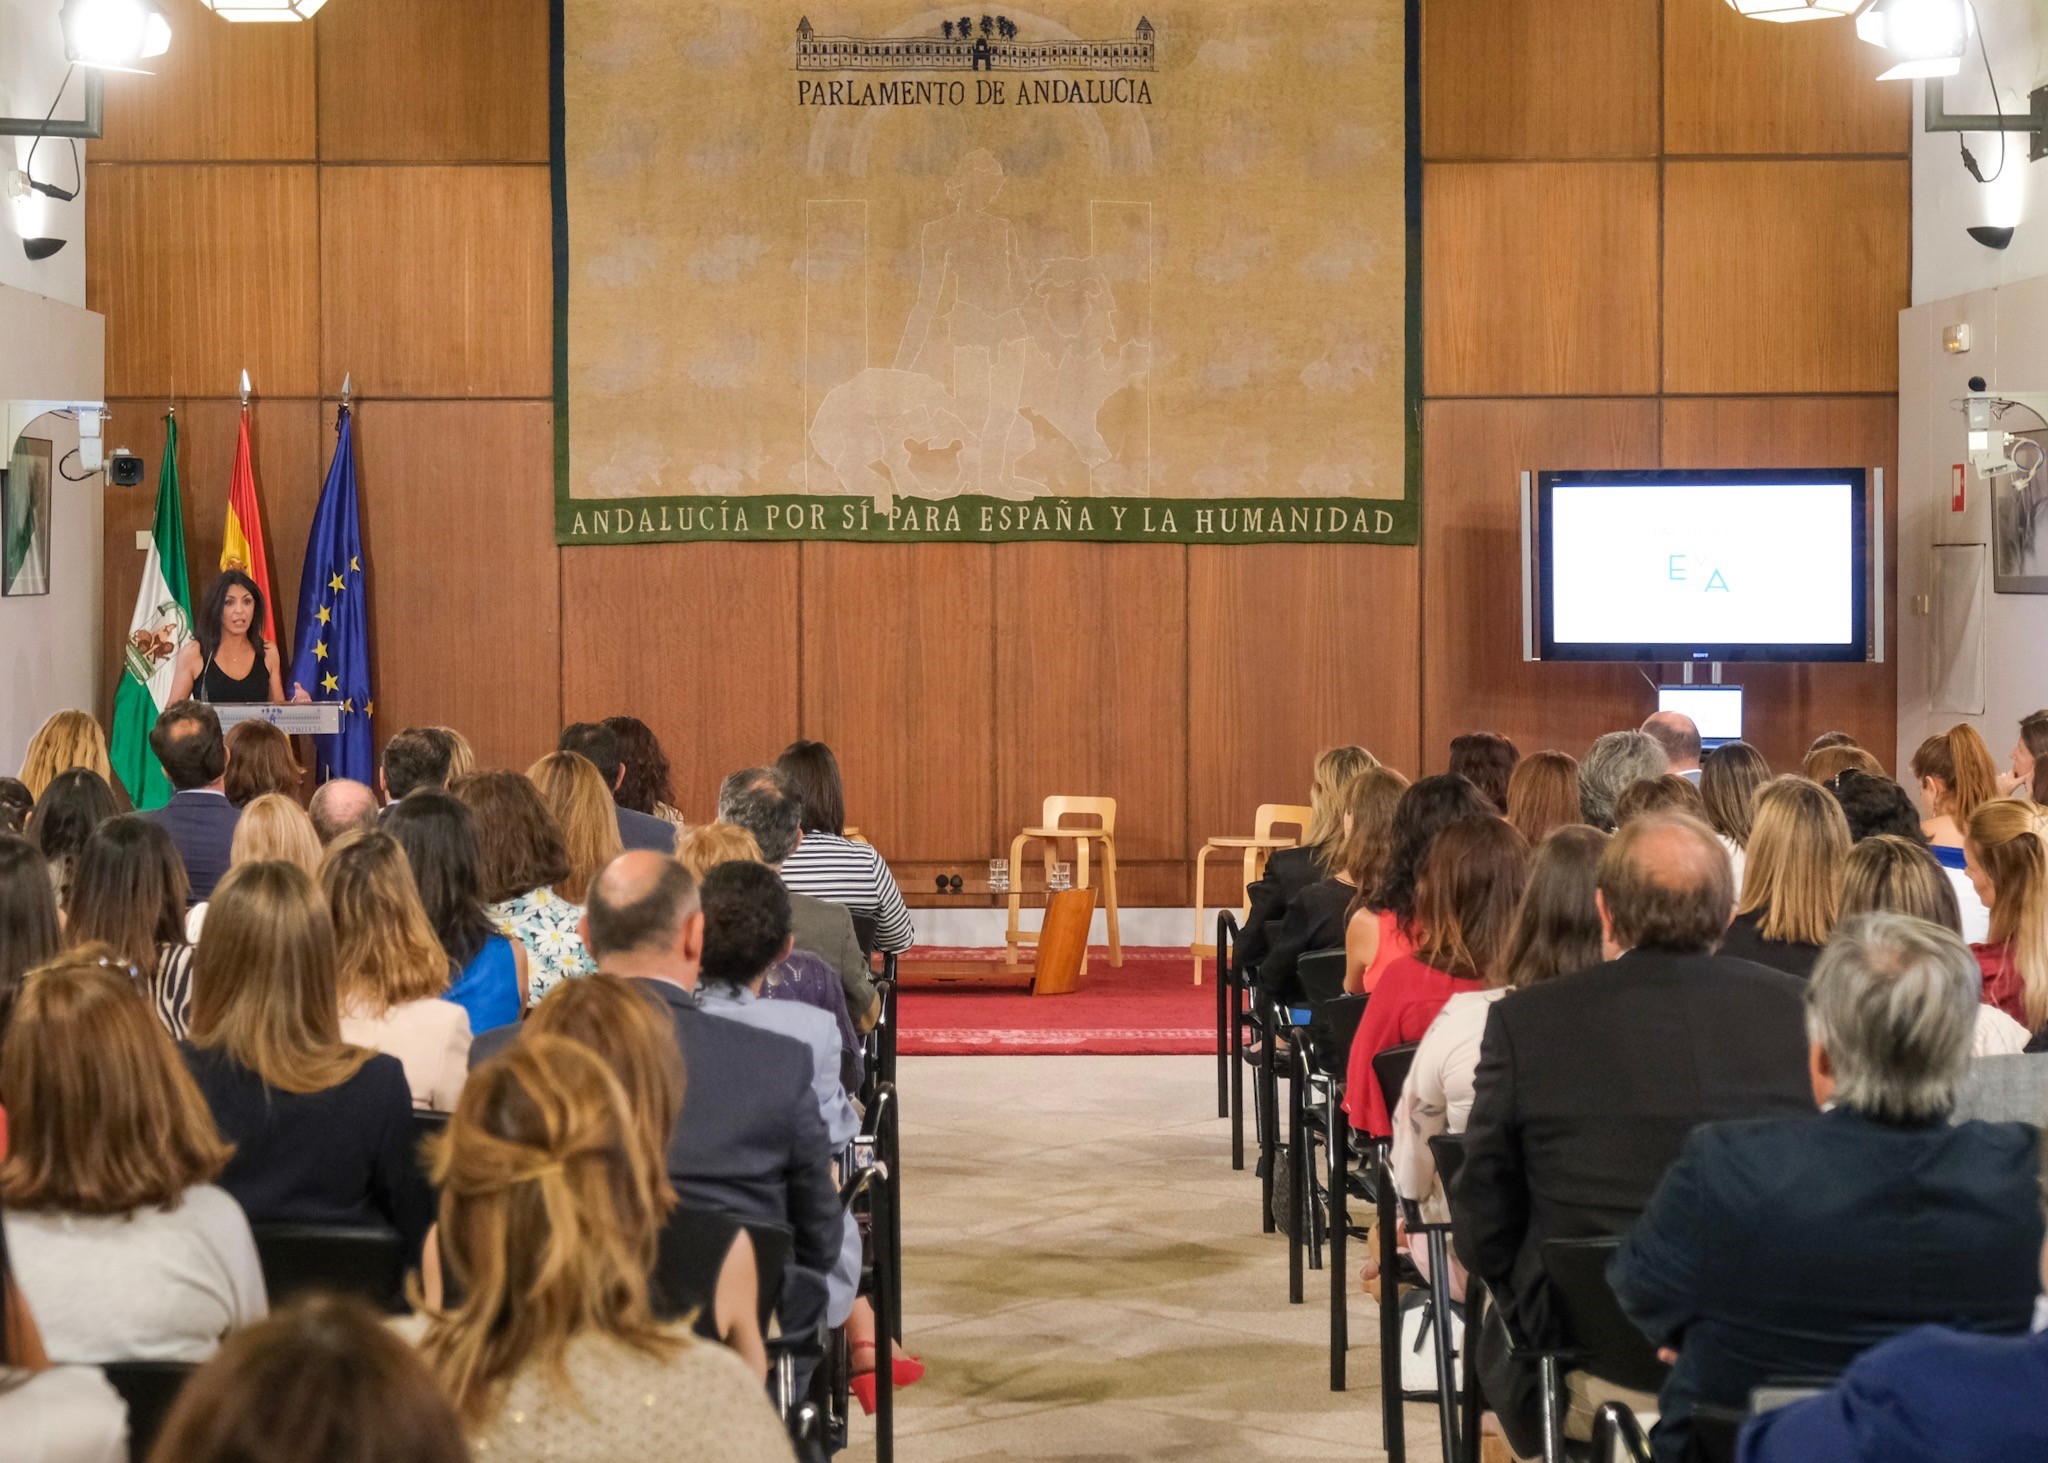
(1654, 233)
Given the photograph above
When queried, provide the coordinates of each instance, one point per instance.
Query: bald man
(1588, 1084)
(342, 805)
(1679, 736)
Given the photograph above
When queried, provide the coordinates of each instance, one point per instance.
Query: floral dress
(545, 923)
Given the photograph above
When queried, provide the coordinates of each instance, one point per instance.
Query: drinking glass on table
(1061, 878)
(999, 875)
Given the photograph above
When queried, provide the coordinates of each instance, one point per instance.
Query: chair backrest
(688, 1256)
(1321, 973)
(2005, 1089)
(1335, 1015)
(1390, 1070)
(1281, 815)
(774, 1247)
(150, 1388)
(1103, 810)
(1612, 1347)
(350, 1259)
(864, 930)
(1448, 1149)
(425, 1125)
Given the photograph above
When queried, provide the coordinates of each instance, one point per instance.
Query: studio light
(113, 33)
(1794, 9)
(1923, 37)
(264, 9)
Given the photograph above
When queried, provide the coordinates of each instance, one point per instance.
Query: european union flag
(333, 662)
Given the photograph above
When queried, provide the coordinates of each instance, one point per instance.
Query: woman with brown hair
(551, 1210)
(322, 1130)
(1792, 879)
(644, 785)
(1543, 793)
(390, 971)
(260, 762)
(1317, 917)
(523, 864)
(1825, 764)
(2029, 777)
(638, 1043)
(29, 930)
(827, 864)
(128, 891)
(2008, 864)
(122, 1245)
(1667, 793)
(1487, 760)
(1465, 908)
(71, 807)
(271, 827)
(1956, 777)
(68, 739)
(324, 1380)
(1729, 780)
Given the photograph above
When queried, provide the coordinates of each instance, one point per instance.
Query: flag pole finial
(171, 403)
(347, 388)
(245, 388)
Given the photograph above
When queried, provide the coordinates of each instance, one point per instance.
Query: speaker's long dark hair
(215, 604)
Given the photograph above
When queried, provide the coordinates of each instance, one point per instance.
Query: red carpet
(1146, 1007)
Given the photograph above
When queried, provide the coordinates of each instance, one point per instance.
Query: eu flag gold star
(335, 583)
(325, 614)
(319, 650)
(330, 684)
(348, 706)
(355, 564)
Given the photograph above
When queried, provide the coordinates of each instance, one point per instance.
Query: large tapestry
(1141, 272)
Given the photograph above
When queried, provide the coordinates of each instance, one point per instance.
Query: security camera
(124, 468)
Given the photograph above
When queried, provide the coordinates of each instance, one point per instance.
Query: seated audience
(324, 1380)
(417, 758)
(758, 801)
(2029, 778)
(550, 1215)
(1824, 764)
(129, 893)
(1380, 927)
(1878, 806)
(599, 744)
(322, 1130)
(1792, 884)
(51, 1414)
(1611, 764)
(121, 1243)
(1464, 912)
(199, 817)
(69, 739)
(1730, 778)
(17, 803)
(1956, 776)
(1487, 761)
(1830, 739)
(829, 865)
(30, 931)
(71, 807)
(1893, 874)
(1783, 1247)
(271, 827)
(1679, 736)
(646, 787)
(1588, 1084)
(2008, 865)
(633, 1037)
(1667, 794)
(461, 756)
(750, 1141)
(1544, 794)
(260, 761)
(705, 846)
(1291, 870)
(390, 972)
(341, 805)
(1317, 917)
(532, 884)
(439, 838)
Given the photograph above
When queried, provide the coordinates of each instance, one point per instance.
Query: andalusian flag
(161, 625)
(241, 547)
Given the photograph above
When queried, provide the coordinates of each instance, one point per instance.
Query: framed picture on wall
(25, 519)
(2019, 532)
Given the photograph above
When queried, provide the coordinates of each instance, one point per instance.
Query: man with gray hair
(1611, 765)
(759, 800)
(342, 805)
(1785, 1247)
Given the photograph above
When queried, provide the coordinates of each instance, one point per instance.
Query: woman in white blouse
(122, 1246)
(391, 969)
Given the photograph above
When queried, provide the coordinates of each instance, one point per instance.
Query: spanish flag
(241, 547)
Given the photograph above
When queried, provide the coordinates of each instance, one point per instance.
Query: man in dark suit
(599, 743)
(1587, 1085)
(1783, 1248)
(187, 740)
(751, 1141)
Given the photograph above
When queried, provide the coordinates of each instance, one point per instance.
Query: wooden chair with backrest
(1265, 839)
(1049, 835)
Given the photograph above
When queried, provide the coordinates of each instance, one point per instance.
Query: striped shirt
(170, 989)
(826, 866)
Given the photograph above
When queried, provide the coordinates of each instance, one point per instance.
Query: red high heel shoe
(904, 1371)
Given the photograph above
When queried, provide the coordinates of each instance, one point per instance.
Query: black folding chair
(298, 1259)
(1448, 1149)
(1390, 1069)
(1601, 1338)
(1325, 1048)
(690, 1252)
(150, 1388)
(425, 1125)
(1226, 1010)
(865, 930)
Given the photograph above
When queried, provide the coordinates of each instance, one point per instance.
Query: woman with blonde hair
(523, 865)
(1956, 776)
(1316, 919)
(271, 827)
(2007, 849)
(550, 1216)
(461, 755)
(1730, 776)
(1792, 878)
(573, 791)
(390, 971)
(128, 891)
(701, 847)
(1825, 764)
(68, 739)
(322, 1129)
(1543, 794)
(1290, 871)
(121, 1243)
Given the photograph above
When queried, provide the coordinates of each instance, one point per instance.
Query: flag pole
(245, 389)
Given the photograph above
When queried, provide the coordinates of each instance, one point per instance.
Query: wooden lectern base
(1056, 967)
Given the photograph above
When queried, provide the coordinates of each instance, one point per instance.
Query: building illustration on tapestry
(989, 43)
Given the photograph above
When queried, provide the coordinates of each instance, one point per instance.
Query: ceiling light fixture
(1923, 37)
(1783, 10)
(264, 9)
(114, 34)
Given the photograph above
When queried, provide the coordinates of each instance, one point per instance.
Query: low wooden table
(1058, 957)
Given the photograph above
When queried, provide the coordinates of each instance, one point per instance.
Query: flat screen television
(1715, 710)
(1669, 565)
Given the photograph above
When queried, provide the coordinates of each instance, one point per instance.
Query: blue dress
(488, 987)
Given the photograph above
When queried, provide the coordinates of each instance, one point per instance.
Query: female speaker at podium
(227, 661)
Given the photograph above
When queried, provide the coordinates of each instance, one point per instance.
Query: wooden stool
(1257, 849)
(1050, 834)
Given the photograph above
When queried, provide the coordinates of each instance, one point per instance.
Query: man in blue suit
(201, 821)
(599, 743)
(1782, 1248)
